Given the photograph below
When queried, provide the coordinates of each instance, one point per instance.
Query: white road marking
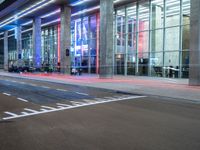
(21, 99)
(24, 113)
(109, 97)
(46, 87)
(43, 109)
(77, 103)
(6, 94)
(101, 99)
(89, 101)
(47, 107)
(65, 105)
(62, 90)
(32, 84)
(31, 110)
(14, 116)
(60, 107)
(82, 93)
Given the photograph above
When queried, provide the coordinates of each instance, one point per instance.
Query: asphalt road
(37, 115)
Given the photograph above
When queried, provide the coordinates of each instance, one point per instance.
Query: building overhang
(22, 12)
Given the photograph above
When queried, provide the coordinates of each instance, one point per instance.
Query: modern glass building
(150, 38)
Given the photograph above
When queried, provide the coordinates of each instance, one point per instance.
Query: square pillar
(6, 50)
(37, 48)
(194, 71)
(18, 37)
(65, 39)
(106, 39)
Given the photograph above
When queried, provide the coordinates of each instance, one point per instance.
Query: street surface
(36, 115)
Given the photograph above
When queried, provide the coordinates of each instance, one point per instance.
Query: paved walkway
(173, 88)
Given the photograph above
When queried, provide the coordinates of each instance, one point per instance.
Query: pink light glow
(58, 43)
(97, 51)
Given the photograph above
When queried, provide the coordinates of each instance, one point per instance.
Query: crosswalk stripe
(64, 107)
(9, 113)
(52, 108)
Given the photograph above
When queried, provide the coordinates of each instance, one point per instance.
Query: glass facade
(27, 48)
(152, 38)
(50, 47)
(84, 43)
(12, 50)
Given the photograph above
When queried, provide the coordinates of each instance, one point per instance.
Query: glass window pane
(171, 64)
(93, 27)
(156, 64)
(131, 43)
(121, 31)
(185, 64)
(143, 16)
(186, 11)
(186, 37)
(172, 12)
(85, 27)
(157, 13)
(119, 64)
(172, 39)
(157, 40)
(143, 42)
(121, 21)
(131, 63)
(131, 16)
(143, 61)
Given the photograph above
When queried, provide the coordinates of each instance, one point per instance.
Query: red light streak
(58, 43)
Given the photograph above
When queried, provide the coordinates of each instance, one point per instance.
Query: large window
(49, 47)
(27, 48)
(84, 43)
(152, 38)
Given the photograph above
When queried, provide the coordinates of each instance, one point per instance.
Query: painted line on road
(101, 99)
(46, 87)
(47, 107)
(21, 99)
(89, 101)
(62, 90)
(34, 112)
(24, 113)
(65, 105)
(7, 94)
(44, 110)
(10, 113)
(74, 103)
(85, 94)
(31, 84)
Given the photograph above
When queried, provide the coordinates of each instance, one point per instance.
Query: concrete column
(37, 48)
(18, 37)
(106, 39)
(194, 71)
(65, 39)
(6, 51)
(89, 45)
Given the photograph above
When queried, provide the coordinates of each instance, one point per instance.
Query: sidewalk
(174, 88)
